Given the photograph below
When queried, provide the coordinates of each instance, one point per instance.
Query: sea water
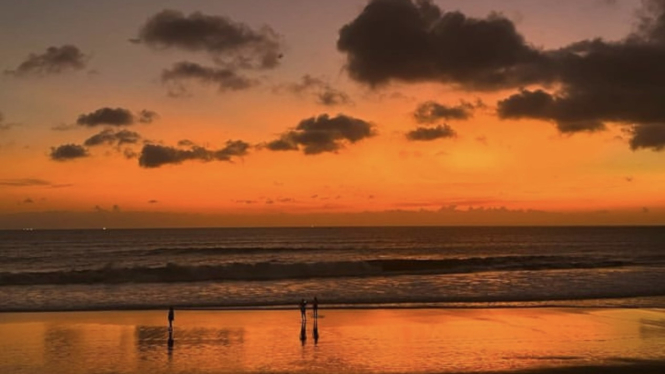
(346, 267)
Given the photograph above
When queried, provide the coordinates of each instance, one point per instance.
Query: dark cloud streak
(431, 133)
(154, 155)
(115, 117)
(55, 60)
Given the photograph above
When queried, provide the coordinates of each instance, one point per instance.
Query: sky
(297, 112)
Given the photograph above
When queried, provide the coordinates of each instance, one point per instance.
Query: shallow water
(353, 341)
(139, 269)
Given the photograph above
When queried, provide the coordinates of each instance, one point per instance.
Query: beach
(444, 340)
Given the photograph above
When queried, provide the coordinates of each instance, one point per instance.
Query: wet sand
(536, 340)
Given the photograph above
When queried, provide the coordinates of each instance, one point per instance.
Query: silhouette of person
(171, 318)
(303, 309)
(315, 307)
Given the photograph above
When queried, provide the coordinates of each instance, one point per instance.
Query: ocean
(386, 267)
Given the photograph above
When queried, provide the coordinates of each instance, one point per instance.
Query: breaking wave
(261, 271)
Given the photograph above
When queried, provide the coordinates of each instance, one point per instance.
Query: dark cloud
(153, 155)
(68, 152)
(323, 134)
(115, 117)
(225, 79)
(430, 112)
(111, 137)
(584, 85)
(152, 201)
(55, 60)
(231, 43)
(431, 133)
(403, 40)
(26, 182)
(28, 201)
(541, 105)
(649, 135)
(325, 94)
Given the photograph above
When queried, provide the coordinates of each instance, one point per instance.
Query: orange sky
(491, 163)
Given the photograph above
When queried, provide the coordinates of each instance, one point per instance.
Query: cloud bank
(584, 85)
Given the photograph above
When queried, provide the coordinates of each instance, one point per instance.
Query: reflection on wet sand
(362, 341)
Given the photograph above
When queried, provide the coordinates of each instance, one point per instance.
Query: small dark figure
(315, 307)
(303, 309)
(171, 318)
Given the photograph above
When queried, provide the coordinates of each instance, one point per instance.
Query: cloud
(25, 182)
(431, 133)
(68, 152)
(541, 105)
(225, 79)
(111, 137)
(412, 42)
(325, 94)
(231, 43)
(583, 86)
(648, 135)
(55, 60)
(115, 117)
(322, 134)
(430, 112)
(154, 155)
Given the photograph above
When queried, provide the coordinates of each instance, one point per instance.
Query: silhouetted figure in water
(315, 332)
(303, 310)
(171, 318)
(303, 332)
(315, 307)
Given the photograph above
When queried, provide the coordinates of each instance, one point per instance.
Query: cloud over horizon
(431, 133)
(115, 117)
(431, 111)
(323, 134)
(155, 155)
(68, 152)
(55, 60)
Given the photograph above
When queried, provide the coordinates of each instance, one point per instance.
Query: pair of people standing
(303, 308)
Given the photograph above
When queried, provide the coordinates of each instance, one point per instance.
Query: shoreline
(428, 340)
(648, 302)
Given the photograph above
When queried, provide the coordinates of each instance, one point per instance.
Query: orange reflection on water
(362, 341)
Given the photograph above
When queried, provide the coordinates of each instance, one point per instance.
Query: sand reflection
(362, 341)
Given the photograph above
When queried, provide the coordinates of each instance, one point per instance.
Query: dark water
(400, 266)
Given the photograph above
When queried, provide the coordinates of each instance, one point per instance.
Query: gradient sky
(145, 113)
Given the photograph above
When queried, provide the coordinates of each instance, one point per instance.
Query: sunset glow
(261, 113)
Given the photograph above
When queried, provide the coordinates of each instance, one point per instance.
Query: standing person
(315, 307)
(303, 309)
(171, 318)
